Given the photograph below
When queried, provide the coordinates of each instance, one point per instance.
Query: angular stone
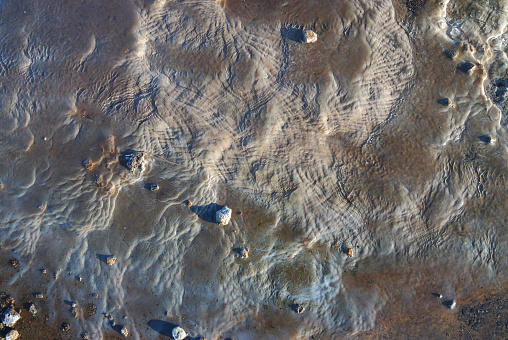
(223, 216)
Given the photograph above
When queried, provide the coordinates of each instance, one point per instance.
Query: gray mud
(384, 140)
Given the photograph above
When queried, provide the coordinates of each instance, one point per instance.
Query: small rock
(124, 331)
(12, 335)
(152, 186)
(85, 336)
(299, 309)
(111, 260)
(223, 216)
(178, 333)
(74, 304)
(242, 253)
(88, 164)
(309, 36)
(451, 304)
(10, 317)
(44, 271)
(188, 203)
(9, 300)
(39, 296)
(14, 262)
(65, 327)
(32, 310)
(350, 252)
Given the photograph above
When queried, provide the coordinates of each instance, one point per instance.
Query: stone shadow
(162, 327)
(292, 33)
(206, 212)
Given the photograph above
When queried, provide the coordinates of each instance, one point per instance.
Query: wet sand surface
(365, 172)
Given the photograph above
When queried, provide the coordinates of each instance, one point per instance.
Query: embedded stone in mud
(133, 160)
(223, 216)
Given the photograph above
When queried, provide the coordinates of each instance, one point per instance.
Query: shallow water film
(365, 171)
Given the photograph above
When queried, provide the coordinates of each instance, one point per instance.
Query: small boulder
(10, 317)
(309, 36)
(178, 333)
(223, 216)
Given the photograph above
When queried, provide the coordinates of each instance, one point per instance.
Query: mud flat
(364, 172)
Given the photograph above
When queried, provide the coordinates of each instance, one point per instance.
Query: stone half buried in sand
(10, 317)
(223, 216)
(178, 333)
(309, 36)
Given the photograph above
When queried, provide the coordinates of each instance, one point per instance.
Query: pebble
(65, 327)
(111, 260)
(299, 309)
(223, 216)
(10, 317)
(39, 296)
(12, 335)
(124, 331)
(350, 252)
(152, 186)
(178, 333)
(14, 262)
(32, 310)
(243, 253)
(451, 304)
(309, 36)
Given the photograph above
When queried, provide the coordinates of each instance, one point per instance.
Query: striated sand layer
(366, 171)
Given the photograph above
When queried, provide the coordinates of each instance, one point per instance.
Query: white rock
(12, 335)
(124, 331)
(309, 36)
(32, 309)
(10, 317)
(223, 216)
(178, 333)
